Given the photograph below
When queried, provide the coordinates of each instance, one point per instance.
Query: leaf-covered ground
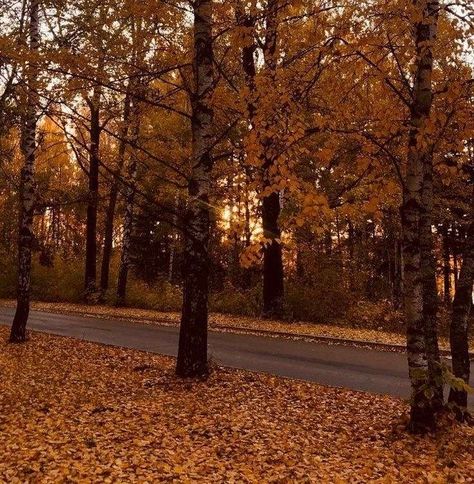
(73, 411)
(226, 322)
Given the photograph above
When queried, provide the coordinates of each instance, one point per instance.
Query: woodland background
(336, 116)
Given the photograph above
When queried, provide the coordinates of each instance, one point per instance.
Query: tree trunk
(127, 235)
(173, 241)
(454, 248)
(422, 417)
(110, 213)
(273, 287)
(459, 329)
(192, 350)
(446, 265)
(398, 275)
(27, 189)
(129, 209)
(351, 249)
(249, 47)
(272, 258)
(247, 271)
(93, 198)
(430, 292)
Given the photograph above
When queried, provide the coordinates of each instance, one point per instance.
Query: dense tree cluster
(313, 149)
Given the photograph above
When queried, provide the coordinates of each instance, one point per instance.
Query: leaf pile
(73, 411)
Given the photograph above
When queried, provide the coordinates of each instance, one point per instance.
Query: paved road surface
(342, 366)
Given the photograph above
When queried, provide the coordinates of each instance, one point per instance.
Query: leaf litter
(74, 411)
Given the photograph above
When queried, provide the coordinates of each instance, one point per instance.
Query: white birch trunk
(27, 188)
(192, 351)
(422, 412)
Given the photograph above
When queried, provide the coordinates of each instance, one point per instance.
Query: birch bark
(459, 328)
(130, 191)
(27, 186)
(110, 213)
(192, 350)
(415, 215)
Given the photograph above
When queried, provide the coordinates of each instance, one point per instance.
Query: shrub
(374, 315)
(314, 304)
(318, 303)
(7, 276)
(62, 281)
(237, 301)
(161, 296)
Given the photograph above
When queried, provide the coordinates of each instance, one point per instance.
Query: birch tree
(27, 186)
(414, 209)
(459, 329)
(192, 350)
(113, 196)
(130, 190)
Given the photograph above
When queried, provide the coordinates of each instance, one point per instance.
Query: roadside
(81, 412)
(331, 334)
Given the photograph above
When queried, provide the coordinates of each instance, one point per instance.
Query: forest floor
(74, 411)
(240, 324)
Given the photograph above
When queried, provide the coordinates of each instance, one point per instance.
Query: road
(341, 366)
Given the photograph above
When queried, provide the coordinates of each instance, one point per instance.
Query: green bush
(303, 303)
(374, 315)
(318, 303)
(237, 301)
(7, 276)
(62, 281)
(322, 299)
(161, 296)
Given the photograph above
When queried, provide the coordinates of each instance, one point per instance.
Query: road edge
(330, 340)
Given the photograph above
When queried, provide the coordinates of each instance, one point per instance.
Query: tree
(262, 115)
(416, 217)
(459, 329)
(27, 188)
(129, 205)
(93, 199)
(272, 252)
(192, 350)
(113, 195)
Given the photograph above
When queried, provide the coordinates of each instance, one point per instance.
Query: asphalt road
(341, 366)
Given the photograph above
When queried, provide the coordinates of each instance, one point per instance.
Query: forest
(285, 161)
